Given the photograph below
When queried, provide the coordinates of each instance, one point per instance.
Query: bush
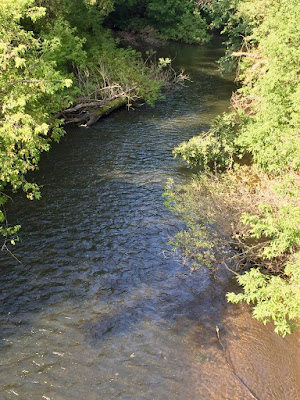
(213, 149)
(274, 298)
(245, 219)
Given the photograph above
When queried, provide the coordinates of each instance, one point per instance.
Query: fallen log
(88, 114)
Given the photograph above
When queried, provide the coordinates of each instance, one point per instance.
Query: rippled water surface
(99, 307)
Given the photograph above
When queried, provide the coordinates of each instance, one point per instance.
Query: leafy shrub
(274, 298)
(270, 75)
(240, 219)
(177, 20)
(213, 149)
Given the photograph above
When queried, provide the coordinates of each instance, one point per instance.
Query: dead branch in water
(100, 94)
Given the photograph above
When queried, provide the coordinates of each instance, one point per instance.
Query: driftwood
(89, 109)
(88, 113)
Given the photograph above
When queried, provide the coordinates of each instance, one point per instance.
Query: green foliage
(271, 85)
(228, 17)
(266, 106)
(177, 20)
(212, 149)
(274, 298)
(62, 46)
(32, 89)
(220, 13)
(172, 19)
(281, 224)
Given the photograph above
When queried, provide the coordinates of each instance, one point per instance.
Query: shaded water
(100, 308)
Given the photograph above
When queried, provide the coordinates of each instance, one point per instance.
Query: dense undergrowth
(248, 216)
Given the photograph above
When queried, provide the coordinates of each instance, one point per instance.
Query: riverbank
(100, 295)
(253, 212)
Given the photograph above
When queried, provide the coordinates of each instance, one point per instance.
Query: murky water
(99, 307)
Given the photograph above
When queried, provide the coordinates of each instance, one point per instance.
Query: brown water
(100, 308)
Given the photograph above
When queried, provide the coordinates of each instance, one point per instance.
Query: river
(100, 308)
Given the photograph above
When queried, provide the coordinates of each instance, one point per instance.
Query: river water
(100, 308)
